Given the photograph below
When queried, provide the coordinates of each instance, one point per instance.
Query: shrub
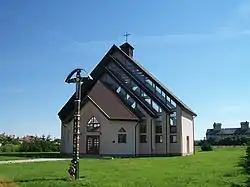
(206, 147)
(9, 148)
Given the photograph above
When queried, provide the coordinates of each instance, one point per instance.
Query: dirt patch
(7, 183)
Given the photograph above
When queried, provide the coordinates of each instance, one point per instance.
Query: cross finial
(126, 36)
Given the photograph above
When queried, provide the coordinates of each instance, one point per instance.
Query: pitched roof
(228, 131)
(162, 86)
(68, 108)
(110, 104)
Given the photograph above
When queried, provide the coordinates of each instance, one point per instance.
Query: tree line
(36, 144)
(239, 141)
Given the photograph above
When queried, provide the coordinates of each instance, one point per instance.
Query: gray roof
(67, 110)
(228, 131)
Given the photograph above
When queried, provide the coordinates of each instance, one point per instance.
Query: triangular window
(122, 130)
(93, 125)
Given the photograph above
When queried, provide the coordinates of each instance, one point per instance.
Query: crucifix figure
(126, 36)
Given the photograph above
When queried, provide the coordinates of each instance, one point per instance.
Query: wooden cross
(126, 36)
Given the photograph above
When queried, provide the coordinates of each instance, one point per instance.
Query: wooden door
(93, 144)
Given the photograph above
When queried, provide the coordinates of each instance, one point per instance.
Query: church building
(126, 111)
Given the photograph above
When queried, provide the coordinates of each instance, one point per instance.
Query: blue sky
(198, 49)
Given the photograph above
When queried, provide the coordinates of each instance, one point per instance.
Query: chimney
(217, 126)
(128, 49)
(244, 125)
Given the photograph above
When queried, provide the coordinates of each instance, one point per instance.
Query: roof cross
(126, 36)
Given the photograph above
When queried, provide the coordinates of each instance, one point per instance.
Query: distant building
(28, 138)
(218, 133)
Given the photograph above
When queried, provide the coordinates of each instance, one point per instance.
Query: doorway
(93, 144)
(188, 145)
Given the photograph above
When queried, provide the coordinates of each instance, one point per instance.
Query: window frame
(172, 140)
(143, 126)
(161, 129)
(173, 129)
(122, 135)
(145, 140)
(160, 138)
(90, 126)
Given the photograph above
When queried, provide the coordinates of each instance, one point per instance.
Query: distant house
(28, 138)
(127, 111)
(218, 133)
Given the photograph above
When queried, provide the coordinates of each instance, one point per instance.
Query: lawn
(5, 158)
(205, 169)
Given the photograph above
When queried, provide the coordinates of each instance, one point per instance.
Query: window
(171, 121)
(173, 139)
(158, 129)
(93, 125)
(143, 129)
(158, 139)
(122, 138)
(122, 130)
(173, 129)
(143, 138)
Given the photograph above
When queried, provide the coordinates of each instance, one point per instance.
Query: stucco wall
(109, 133)
(67, 137)
(187, 130)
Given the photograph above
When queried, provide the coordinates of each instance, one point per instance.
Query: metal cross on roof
(126, 36)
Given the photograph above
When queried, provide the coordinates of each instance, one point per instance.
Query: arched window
(93, 125)
(122, 136)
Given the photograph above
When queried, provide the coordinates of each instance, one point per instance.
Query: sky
(198, 49)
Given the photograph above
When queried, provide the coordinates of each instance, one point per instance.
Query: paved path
(32, 160)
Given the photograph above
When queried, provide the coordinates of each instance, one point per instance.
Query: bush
(9, 148)
(206, 147)
(37, 144)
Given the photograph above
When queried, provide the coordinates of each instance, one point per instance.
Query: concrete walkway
(32, 160)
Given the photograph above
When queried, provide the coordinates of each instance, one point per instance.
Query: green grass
(205, 169)
(5, 158)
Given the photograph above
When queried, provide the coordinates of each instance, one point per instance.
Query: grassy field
(4, 158)
(205, 169)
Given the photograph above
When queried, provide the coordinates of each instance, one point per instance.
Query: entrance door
(188, 147)
(93, 144)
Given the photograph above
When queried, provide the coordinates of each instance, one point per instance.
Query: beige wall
(109, 133)
(187, 130)
(67, 137)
